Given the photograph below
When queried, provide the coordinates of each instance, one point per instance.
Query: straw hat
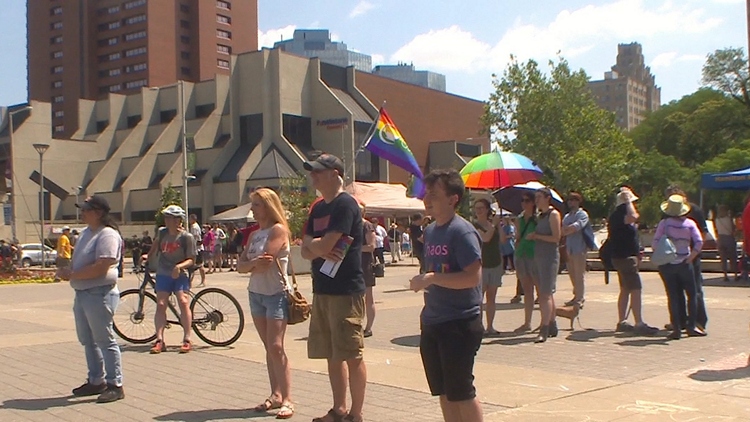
(675, 206)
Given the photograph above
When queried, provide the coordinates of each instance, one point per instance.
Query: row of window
(118, 55)
(222, 4)
(133, 4)
(224, 19)
(132, 36)
(119, 87)
(116, 24)
(223, 34)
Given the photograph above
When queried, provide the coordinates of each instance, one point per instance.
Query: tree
(554, 120)
(734, 158)
(727, 71)
(169, 196)
(296, 199)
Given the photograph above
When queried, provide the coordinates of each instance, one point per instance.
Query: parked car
(31, 254)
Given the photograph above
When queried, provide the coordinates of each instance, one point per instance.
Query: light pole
(185, 178)
(77, 190)
(41, 149)
(13, 173)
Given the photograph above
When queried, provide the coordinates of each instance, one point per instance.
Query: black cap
(326, 162)
(95, 202)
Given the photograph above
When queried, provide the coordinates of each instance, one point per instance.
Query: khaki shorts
(336, 331)
(62, 262)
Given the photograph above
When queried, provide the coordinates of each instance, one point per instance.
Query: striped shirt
(681, 231)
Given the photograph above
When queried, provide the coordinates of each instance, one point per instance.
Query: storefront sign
(336, 123)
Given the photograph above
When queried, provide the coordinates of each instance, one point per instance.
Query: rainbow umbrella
(499, 169)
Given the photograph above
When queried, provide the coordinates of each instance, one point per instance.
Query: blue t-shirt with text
(451, 248)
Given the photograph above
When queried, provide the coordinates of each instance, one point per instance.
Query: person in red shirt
(746, 238)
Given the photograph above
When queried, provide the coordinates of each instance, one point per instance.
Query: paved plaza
(590, 374)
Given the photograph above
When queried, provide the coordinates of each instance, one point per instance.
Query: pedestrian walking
(394, 240)
(573, 224)
(493, 236)
(64, 252)
(336, 321)
(195, 230)
(451, 321)
(546, 239)
(380, 236)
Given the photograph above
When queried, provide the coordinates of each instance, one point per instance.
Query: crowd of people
(461, 267)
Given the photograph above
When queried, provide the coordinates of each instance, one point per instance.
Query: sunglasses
(527, 200)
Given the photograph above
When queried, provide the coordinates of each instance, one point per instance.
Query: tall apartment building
(629, 89)
(317, 43)
(89, 48)
(407, 73)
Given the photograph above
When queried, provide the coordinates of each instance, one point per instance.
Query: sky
(468, 41)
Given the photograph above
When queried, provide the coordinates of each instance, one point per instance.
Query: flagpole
(368, 134)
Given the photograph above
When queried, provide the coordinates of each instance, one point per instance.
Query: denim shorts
(165, 283)
(269, 307)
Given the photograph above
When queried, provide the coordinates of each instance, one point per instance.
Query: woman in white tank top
(266, 259)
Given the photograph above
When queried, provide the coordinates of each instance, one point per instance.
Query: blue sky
(468, 41)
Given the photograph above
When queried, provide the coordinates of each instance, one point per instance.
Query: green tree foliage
(169, 196)
(727, 71)
(734, 158)
(296, 199)
(554, 120)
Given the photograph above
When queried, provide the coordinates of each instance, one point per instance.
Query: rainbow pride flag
(386, 142)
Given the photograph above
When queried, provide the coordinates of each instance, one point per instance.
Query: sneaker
(112, 393)
(515, 299)
(674, 335)
(186, 347)
(696, 332)
(89, 389)
(571, 302)
(367, 333)
(158, 347)
(645, 330)
(624, 327)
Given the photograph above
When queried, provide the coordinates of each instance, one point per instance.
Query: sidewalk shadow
(507, 306)
(44, 403)
(713, 375)
(589, 334)
(719, 282)
(645, 342)
(510, 340)
(407, 341)
(213, 415)
(146, 348)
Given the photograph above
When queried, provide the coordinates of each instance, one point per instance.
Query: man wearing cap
(336, 323)
(573, 224)
(64, 252)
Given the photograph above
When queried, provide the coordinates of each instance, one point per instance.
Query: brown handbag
(299, 308)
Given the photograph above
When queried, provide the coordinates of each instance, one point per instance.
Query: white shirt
(197, 233)
(724, 226)
(380, 235)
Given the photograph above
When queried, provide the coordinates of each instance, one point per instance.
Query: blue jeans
(93, 310)
(679, 279)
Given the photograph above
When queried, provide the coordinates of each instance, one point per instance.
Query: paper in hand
(331, 267)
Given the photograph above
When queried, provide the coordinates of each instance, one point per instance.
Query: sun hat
(174, 211)
(675, 206)
(625, 196)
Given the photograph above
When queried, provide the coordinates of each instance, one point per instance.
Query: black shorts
(199, 258)
(448, 350)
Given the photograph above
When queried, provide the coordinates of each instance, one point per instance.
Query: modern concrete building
(629, 89)
(250, 128)
(317, 43)
(89, 48)
(407, 73)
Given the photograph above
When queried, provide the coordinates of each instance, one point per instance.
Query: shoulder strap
(284, 276)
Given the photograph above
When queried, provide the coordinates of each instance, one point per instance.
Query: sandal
(335, 417)
(267, 405)
(286, 411)
(491, 332)
(523, 329)
(186, 347)
(158, 347)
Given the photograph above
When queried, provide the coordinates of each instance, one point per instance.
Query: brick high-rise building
(629, 89)
(89, 48)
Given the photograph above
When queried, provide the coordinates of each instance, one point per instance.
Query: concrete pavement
(590, 374)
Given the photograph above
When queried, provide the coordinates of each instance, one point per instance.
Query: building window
(108, 41)
(184, 24)
(57, 69)
(56, 40)
(114, 72)
(57, 10)
(135, 68)
(184, 8)
(224, 19)
(185, 55)
(57, 99)
(133, 4)
(221, 4)
(112, 10)
(135, 19)
(185, 71)
(59, 114)
(108, 26)
(223, 34)
(135, 52)
(55, 25)
(185, 39)
(223, 49)
(57, 84)
(135, 84)
(57, 55)
(135, 35)
(59, 128)
(115, 88)
(114, 56)
(224, 64)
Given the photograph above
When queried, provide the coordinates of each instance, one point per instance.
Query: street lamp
(41, 149)
(13, 172)
(77, 190)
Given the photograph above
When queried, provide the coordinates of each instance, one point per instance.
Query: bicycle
(211, 320)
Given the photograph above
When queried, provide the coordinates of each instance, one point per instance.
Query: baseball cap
(325, 162)
(94, 202)
(65, 228)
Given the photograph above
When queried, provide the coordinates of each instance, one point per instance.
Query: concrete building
(317, 43)
(89, 48)
(250, 128)
(407, 73)
(629, 89)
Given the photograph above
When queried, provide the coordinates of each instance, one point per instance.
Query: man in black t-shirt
(336, 322)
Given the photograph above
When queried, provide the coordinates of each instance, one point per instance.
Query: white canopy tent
(240, 213)
(385, 199)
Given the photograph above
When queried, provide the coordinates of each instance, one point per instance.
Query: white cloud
(268, 38)
(665, 60)
(361, 8)
(729, 1)
(571, 34)
(378, 59)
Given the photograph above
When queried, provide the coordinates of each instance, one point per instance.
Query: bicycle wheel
(217, 317)
(134, 320)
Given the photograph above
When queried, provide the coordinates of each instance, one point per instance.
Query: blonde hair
(272, 202)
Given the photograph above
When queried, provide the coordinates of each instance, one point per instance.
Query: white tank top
(724, 226)
(268, 282)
